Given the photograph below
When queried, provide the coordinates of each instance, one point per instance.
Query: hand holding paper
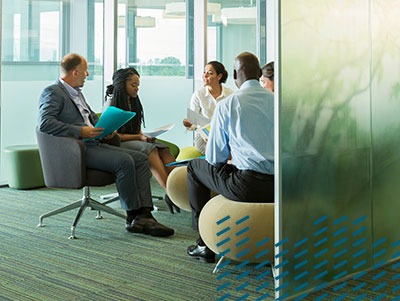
(90, 132)
(204, 131)
(196, 118)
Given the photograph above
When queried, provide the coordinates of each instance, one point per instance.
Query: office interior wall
(340, 99)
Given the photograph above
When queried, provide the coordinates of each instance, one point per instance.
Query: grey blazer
(58, 113)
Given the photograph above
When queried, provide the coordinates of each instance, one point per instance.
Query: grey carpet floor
(106, 263)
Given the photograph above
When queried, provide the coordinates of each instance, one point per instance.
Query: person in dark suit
(63, 111)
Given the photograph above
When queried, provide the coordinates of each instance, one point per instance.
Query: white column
(200, 41)
(110, 38)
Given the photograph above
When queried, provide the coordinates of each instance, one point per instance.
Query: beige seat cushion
(177, 188)
(245, 231)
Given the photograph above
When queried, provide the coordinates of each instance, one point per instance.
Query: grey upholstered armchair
(63, 164)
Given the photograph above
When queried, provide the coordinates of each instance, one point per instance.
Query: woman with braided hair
(123, 94)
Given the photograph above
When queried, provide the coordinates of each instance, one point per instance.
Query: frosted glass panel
(386, 124)
(326, 141)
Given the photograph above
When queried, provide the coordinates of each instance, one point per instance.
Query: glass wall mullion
(189, 38)
(261, 30)
(65, 32)
(131, 33)
(91, 33)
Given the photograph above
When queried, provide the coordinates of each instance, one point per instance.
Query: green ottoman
(188, 152)
(173, 148)
(23, 167)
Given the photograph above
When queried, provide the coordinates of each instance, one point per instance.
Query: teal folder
(184, 162)
(112, 119)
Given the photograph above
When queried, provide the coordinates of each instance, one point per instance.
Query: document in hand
(158, 131)
(204, 131)
(196, 118)
(112, 119)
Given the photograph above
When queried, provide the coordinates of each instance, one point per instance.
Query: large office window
(35, 35)
(152, 37)
(157, 37)
(232, 28)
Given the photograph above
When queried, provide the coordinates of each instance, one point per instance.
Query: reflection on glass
(152, 38)
(49, 36)
(231, 30)
(32, 31)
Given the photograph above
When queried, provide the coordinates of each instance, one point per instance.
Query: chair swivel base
(82, 204)
(220, 263)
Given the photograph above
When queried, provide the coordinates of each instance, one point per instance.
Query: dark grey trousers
(227, 180)
(131, 169)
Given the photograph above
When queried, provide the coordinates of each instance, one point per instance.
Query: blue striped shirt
(79, 100)
(243, 126)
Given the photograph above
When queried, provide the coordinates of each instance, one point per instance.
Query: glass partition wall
(160, 38)
(339, 97)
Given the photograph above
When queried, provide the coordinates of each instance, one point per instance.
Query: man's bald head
(246, 67)
(69, 62)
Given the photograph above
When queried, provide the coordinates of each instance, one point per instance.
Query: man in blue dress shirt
(240, 151)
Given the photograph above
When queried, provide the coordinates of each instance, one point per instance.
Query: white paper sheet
(158, 131)
(196, 118)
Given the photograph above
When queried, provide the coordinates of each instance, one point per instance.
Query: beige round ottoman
(237, 230)
(177, 188)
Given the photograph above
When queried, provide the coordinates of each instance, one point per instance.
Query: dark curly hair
(268, 70)
(117, 92)
(220, 69)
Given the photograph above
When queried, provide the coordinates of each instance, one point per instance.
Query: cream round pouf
(238, 230)
(177, 188)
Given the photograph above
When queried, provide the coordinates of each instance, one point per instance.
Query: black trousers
(227, 180)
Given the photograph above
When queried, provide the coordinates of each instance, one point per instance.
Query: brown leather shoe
(201, 252)
(149, 226)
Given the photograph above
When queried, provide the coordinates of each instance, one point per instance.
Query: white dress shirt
(79, 100)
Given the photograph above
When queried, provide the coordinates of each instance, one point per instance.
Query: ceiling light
(145, 21)
(237, 15)
(178, 9)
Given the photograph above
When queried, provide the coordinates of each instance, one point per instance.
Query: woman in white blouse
(204, 100)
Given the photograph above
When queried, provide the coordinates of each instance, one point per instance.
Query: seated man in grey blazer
(63, 111)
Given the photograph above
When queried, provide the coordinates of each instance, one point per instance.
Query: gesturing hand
(187, 123)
